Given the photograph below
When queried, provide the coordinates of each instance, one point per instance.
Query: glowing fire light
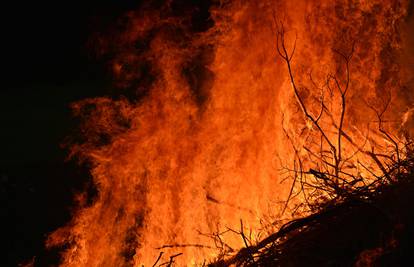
(201, 151)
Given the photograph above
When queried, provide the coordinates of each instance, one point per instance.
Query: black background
(46, 65)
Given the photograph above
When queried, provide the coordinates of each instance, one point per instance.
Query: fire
(200, 150)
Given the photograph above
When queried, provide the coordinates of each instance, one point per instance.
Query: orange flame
(200, 150)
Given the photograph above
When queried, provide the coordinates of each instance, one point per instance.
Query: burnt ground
(374, 231)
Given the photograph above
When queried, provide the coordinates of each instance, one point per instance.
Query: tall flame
(199, 150)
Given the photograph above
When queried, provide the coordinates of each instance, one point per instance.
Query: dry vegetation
(354, 220)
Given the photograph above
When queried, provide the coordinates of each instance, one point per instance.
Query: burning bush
(218, 134)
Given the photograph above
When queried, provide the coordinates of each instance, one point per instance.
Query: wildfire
(198, 155)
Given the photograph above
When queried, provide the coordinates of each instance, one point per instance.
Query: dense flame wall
(201, 147)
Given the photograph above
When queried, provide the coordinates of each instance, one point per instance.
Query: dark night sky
(45, 66)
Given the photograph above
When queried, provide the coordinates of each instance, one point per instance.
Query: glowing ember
(202, 150)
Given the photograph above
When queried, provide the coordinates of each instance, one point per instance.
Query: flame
(200, 149)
